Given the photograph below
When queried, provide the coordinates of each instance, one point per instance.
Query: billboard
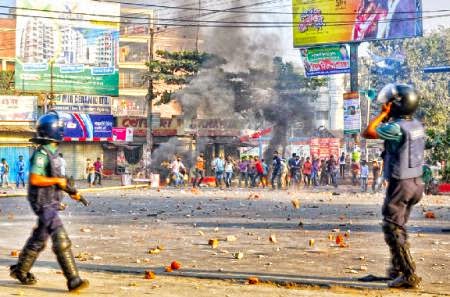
(18, 108)
(83, 104)
(352, 113)
(325, 60)
(122, 134)
(324, 147)
(87, 126)
(61, 46)
(340, 21)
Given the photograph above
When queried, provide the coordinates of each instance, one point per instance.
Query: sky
(288, 52)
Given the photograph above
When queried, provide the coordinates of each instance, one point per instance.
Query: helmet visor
(387, 93)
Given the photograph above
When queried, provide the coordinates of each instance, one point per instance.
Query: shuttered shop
(76, 154)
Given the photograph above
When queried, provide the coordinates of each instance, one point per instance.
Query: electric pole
(149, 97)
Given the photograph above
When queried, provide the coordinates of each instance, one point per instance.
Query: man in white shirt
(364, 175)
(176, 167)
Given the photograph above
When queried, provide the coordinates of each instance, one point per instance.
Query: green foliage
(438, 145)
(175, 69)
(6, 82)
(434, 110)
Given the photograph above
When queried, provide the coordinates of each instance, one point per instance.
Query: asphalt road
(112, 239)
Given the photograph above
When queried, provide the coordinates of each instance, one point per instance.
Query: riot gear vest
(406, 161)
(46, 196)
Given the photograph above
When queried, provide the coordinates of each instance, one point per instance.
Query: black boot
(21, 270)
(409, 278)
(61, 247)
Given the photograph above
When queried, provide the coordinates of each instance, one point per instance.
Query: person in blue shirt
(20, 171)
(404, 143)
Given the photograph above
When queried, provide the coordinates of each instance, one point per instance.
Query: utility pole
(49, 105)
(149, 96)
(198, 25)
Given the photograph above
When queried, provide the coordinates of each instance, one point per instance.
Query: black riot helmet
(404, 98)
(49, 128)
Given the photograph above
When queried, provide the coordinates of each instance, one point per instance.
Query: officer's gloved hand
(78, 197)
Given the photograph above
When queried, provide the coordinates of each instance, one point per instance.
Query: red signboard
(139, 125)
(324, 147)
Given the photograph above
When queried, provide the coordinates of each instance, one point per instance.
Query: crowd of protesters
(279, 173)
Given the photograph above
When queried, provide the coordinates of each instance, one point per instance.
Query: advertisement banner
(325, 60)
(61, 46)
(129, 106)
(88, 126)
(83, 104)
(18, 108)
(352, 113)
(324, 147)
(122, 134)
(339, 21)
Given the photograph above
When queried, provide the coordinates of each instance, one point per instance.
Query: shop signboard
(325, 60)
(17, 109)
(122, 134)
(83, 104)
(81, 126)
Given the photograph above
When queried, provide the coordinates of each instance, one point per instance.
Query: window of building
(321, 115)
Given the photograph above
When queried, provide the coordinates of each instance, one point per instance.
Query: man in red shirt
(98, 171)
(259, 169)
(307, 169)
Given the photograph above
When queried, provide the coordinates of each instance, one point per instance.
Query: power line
(234, 11)
(219, 24)
(216, 11)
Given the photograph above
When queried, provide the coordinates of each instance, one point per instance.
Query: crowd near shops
(278, 173)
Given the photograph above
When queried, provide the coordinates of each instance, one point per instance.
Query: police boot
(409, 278)
(61, 247)
(21, 270)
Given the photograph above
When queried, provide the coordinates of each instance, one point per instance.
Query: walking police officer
(404, 148)
(44, 194)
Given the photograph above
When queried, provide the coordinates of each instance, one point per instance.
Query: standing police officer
(404, 148)
(45, 194)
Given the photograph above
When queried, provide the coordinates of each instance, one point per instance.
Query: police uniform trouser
(401, 196)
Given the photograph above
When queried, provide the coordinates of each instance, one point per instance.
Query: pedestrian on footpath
(90, 171)
(229, 168)
(20, 171)
(252, 173)
(4, 173)
(63, 164)
(342, 165)
(218, 166)
(46, 184)
(404, 142)
(332, 169)
(98, 166)
(259, 171)
(243, 171)
(265, 177)
(376, 176)
(307, 170)
(355, 172)
(315, 171)
(276, 170)
(199, 170)
(364, 176)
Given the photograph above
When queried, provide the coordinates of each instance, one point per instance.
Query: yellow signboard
(336, 21)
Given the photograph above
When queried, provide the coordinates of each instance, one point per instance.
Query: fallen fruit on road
(175, 265)
(311, 242)
(149, 274)
(168, 269)
(15, 253)
(154, 251)
(339, 239)
(253, 280)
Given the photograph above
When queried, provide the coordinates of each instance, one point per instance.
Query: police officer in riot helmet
(44, 195)
(403, 158)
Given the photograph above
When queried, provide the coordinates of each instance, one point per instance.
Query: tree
(434, 110)
(6, 82)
